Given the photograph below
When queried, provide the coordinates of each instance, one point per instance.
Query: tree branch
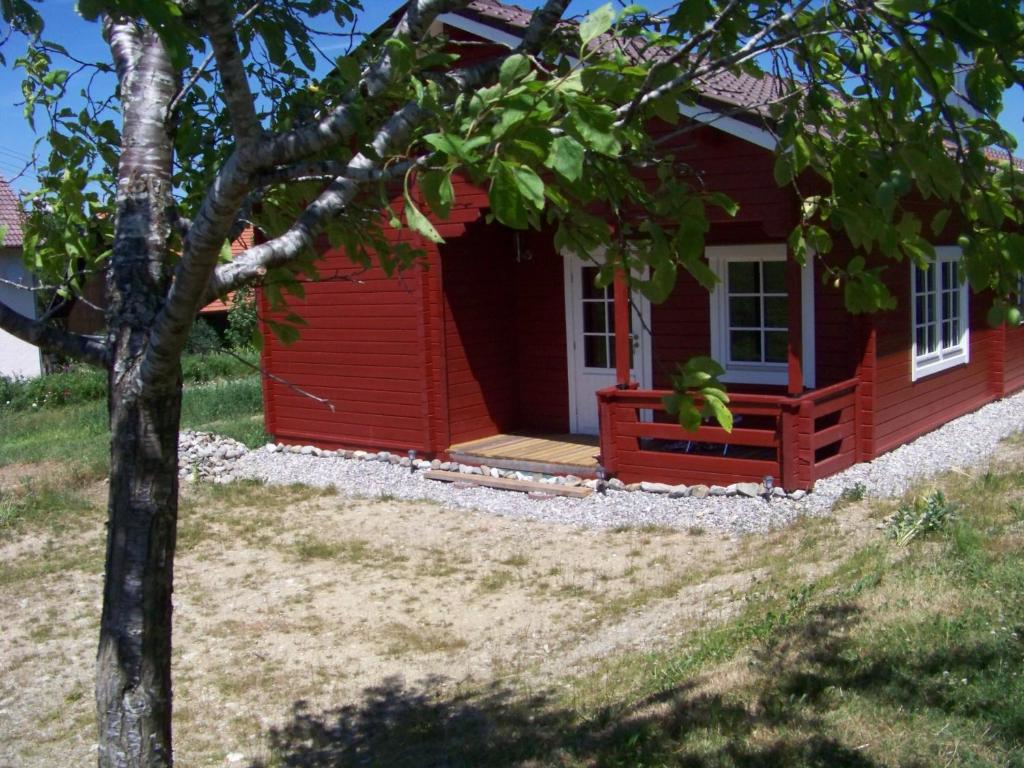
(204, 64)
(85, 348)
(219, 21)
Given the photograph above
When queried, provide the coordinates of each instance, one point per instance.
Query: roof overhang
(706, 115)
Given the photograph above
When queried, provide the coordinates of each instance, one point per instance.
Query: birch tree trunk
(133, 674)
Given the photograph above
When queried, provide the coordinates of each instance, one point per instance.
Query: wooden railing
(796, 440)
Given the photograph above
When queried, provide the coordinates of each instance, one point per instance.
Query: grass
(894, 656)
(77, 434)
(829, 650)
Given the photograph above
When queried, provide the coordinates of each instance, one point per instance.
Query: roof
(742, 92)
(734, 89)
(10, 215)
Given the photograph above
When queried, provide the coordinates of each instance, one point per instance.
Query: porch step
(508, 484)
(525, 465)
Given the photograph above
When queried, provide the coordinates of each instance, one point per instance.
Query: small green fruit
(1013, 316)
(997, 314)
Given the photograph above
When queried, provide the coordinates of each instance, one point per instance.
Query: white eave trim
(760, 137)
(479, 29)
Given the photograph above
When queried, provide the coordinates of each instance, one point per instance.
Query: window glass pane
(744, 277)
(744, 312)
(775, 347)
(933, 337)
(774, 276)
(745, 346)
(921, 307)
(589, 274)
(948, 275)
(776, 312)
(594, 317)
(921, 339)
(920, 280)
(595, 351)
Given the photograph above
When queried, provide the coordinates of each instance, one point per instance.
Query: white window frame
(744, 372)
(926, 363)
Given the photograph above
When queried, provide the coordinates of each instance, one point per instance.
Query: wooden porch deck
(527, 452)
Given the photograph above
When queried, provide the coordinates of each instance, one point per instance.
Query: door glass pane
(776, 312)
(589, 274)
(745, 346)
(744, 277)
(775, 347)
(595, 351)
(594, 317)
(744, 312)
(774, 276)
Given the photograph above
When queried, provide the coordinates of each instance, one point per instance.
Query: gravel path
(964, 442)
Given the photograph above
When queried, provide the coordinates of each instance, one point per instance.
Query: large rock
(750, 490)
(698, 491)
(655, 487)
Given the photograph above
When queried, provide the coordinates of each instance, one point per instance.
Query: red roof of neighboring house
(10, 215)
(241, 243)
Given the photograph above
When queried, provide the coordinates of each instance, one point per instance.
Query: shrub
(202, 339)
(922, 516)
(242, 321)
(76, 385)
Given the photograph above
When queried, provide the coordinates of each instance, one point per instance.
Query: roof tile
(10, 215)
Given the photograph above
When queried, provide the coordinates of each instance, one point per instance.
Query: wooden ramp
(546, 453)
(508, 484)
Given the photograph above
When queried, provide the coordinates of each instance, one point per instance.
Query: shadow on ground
(778, 718)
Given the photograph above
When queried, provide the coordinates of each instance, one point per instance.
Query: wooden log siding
(811, 436)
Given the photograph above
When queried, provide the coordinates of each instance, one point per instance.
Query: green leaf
(596, 23)
(721, 413)
(939, 221)
(566, 158)
(514, 68)
(419, 223)
(438, 191)
(783, 170)
(529, 185)
(507, 202)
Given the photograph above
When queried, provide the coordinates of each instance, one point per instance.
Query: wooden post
(623, 340)
(607, 413)
(864, 409)
(795, 379)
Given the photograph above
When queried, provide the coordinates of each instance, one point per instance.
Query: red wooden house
(501, 351)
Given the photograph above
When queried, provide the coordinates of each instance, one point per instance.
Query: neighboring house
(503, 353)
(17, 358)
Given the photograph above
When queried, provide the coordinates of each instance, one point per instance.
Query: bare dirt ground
(292, 601)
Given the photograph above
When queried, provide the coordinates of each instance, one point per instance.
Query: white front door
(590, 342)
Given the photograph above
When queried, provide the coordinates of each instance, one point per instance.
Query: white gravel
(964, 442)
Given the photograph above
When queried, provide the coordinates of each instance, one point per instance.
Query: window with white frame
(750, 314)
(939, 306)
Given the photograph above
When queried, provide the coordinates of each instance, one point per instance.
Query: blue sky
(83, 39)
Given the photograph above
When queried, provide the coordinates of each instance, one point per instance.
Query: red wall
(479, 323)
(504, 322)
(540, 346)
(1014, 359)
(905, 409)
(362, 350)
